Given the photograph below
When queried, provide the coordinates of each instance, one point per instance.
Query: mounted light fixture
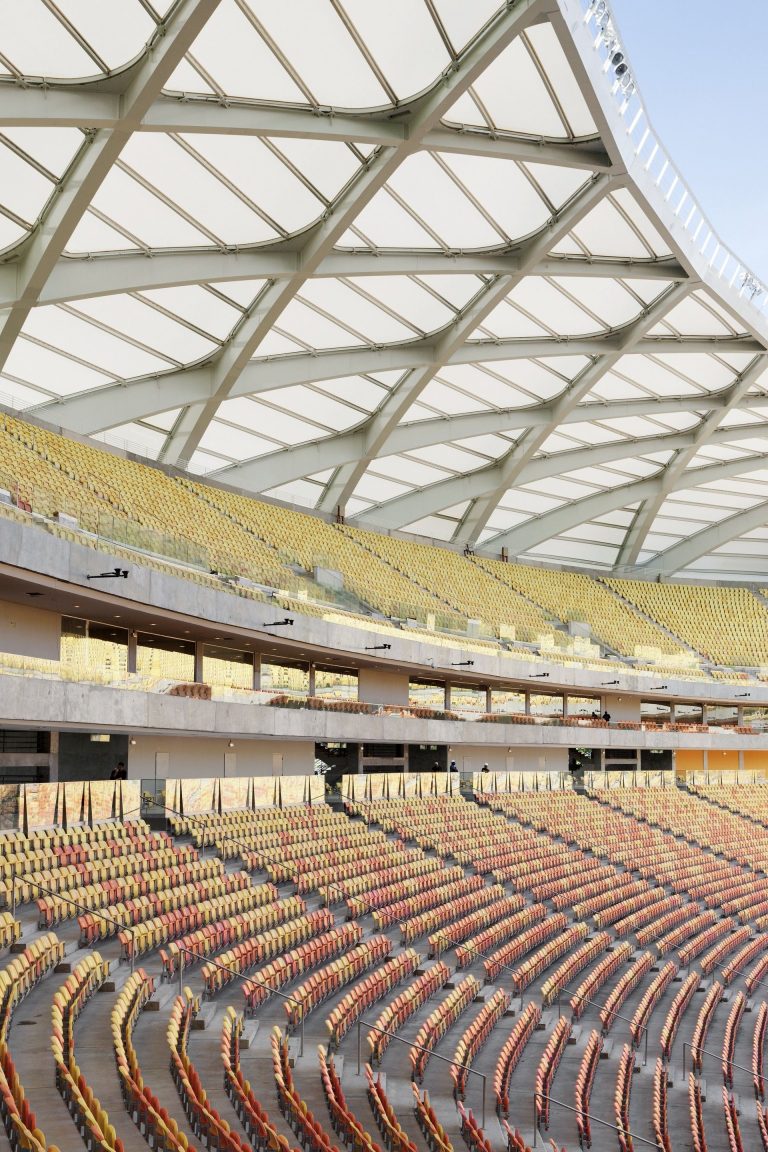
(115, 574)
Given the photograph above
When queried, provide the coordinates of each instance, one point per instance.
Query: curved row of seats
(732, 1127)
(729, 1038)
(145, 1109)
(762, 1123)
(660, 1114)
(650, 999)
(572, 965)
(690, 927)
(474, 921)
(647, 911)
(472, 1133)
(203, 1118)
(755, 976)
(94, 926)
(704, 939)
(404, 1006)
(651, 933)
(591, 985)
(676, 1011)
(454, 907)
(435, 1135)
(90, 1118)
(278, 823)
(533, 967)
(494, 934)
(215, 937)
(147, 935)
(58, 848)
(17, 979)
(396, 884)
(329, 979)
(253, 1117)
(583, 1091)
(718, 952)
(438, 1022)
(703, 824)
(547, 1066)
(367, 991)
(104, 861)
(308, 1129)
(696, 1113)
(249, 951)
(260, 985)
(474, 1037)
(621, 1098)
(613, 888)
(109, 893)
(623, 988)
(511, 1053)
(758, 1050)
(395, 1137)
(751, 949)
(528, 939)
(26, 884)
(343, 1120)
(421, 902)
(703, 1021)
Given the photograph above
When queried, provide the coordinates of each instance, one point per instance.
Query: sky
(698, 65)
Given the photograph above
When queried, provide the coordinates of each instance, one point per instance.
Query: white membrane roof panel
(429, 237)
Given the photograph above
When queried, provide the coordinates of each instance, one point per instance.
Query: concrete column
(705, 761)
(256, 683)
(53, 763)
(741, 760)
(739, 714)
(488, 699)
(311, 685)
(133, 644)
(527, 702)
(199, 661)
(447, 697)
(360, 759)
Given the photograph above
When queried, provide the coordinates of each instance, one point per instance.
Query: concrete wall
(28, 631)
(32, 548)
(379, 686)
(201, 756)
(621, 706)
(471, 757)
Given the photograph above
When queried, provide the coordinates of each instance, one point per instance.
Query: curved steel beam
(285, 465)
(90, 106)
(75, 278)
(649, 509)
(681, 555)
(192, 424)
(452, 346)
(38, 257)
(535, 531)
(405, 510)
(482, 509)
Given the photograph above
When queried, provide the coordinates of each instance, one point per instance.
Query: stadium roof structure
(424, 263)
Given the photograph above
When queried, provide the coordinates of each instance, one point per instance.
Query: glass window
(227, 667)
(165, 657)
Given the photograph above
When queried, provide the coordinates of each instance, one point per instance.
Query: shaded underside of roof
(422, 264)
